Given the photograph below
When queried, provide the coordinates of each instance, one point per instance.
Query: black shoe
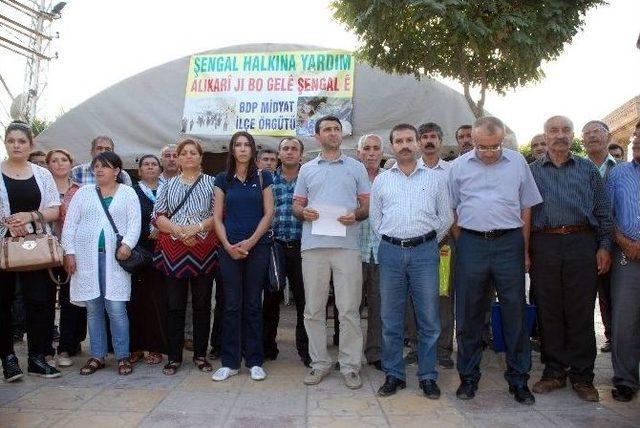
(391, 386)
(606, 347)
(445, 363)
(430, 388)
(377, 364)
(522, 394)
(306, 360)
(623, 393)
(39, 367)
(467, 390)
(11, 369)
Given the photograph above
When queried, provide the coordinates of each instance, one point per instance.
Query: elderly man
(169, 162)
(336, 188)
(538, 147)
(410, 211)
(492, 192)
(569, 248)
(624, 190)
(617, 152)
(370, 151)
(83, 174)
(595, 138)
(463, 138)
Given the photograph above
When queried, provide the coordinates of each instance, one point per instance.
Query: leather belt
(489, 234)
(410, 242)
(565, 230)
(288, 244)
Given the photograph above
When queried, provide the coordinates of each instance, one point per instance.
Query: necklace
(190, 178)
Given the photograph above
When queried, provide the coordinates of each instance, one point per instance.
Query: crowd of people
(346, 228)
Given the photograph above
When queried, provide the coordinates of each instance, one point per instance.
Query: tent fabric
(143, 113)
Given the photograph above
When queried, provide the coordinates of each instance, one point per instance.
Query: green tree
(38, 125)
(484, 44)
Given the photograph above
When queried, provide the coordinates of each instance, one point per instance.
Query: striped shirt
(197, 208)
(405, 207)
(573, 194)
(285, 226)
(623, 187)
(369, 240)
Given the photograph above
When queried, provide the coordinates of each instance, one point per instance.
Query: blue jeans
(409, 271)
(118, 320)
(479, 261)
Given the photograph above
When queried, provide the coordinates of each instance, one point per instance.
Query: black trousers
(216, 329)
(604, 300)
(73, 322)
(39, 302)
(564, 276)
(271, 303)
(147, 311)
(177, 290)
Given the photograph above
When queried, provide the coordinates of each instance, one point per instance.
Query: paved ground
(148, 398)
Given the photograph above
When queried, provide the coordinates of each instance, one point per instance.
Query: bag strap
(186, 196)
(106, 211)
(41, 221)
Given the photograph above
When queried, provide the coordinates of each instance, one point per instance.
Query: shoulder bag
(277, 278)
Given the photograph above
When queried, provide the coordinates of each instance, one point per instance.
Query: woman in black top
(24, 189)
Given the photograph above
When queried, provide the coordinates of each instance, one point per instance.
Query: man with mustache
(538, 147)
(492, 192)
(463, 137)
(624, 189)
(595, 138)
(569, 248)
(410, 211)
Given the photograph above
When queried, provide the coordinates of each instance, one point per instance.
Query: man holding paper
(330, 197)
(410, 210)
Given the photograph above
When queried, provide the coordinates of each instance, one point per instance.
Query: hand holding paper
(327, 223)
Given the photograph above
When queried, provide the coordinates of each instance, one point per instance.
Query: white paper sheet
(328, 224)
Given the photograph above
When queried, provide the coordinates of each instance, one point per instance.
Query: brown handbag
(31, 252)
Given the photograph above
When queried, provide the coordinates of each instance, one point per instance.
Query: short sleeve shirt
(243, 206)
(337, 183)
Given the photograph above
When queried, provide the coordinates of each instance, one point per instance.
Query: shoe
(391, 385)
(586, 391)
(606, 347)
(623, 393)
(411, 358)
(377, 364)
(352, 380)
(548, 384)
(64, 360)
(18, 337)
(467, 390)
(223, 373)
(39, 367)
(522, 394)
(11, 369)
(314, 377)
(306, 360)
(258, 373)
(188, 345)
(445, 363)
(214, 354)
(430, 388)
(50, 360)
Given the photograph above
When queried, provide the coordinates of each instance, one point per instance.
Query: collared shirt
(83, 174)
(410, 206)
(285, 226)
(491, 197)
(442, 166)
(623, 188)
(605, 168)
(573, 194)
(338, 182)
(369, 240)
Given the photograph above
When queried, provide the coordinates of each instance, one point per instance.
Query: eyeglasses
(489, 149)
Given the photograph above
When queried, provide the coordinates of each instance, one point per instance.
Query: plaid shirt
(369, 240)
(83, 175)
(285, 226)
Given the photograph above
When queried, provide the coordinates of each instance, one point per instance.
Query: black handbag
(276, 280)
(140, 257)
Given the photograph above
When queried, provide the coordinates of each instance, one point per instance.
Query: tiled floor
(148, 398)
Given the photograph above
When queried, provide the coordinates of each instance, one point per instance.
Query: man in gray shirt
(331, 183)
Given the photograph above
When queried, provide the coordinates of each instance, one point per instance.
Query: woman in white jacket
(97, 280)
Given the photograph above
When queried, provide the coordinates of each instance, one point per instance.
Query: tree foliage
(492, 45)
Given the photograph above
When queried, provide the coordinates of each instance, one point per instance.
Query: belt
(410, 242)
(489, 234)
(565, 230)
(288, 244)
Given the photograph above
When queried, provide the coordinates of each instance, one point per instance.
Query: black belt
(490, 234)
(288, 244)
(410, 242)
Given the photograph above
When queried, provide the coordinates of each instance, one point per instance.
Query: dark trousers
(371, 288)
(39, 302)
(18, 317)
(242, 318)
(564, 275)
(271, 303)
(147, 311)
(604, 299)
(479, 261)
(216, 329)
(177, 292)
(73, 323)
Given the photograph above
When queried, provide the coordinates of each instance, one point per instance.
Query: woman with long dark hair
(242, 217)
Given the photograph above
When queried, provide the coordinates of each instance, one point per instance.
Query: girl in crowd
(73, 319)
(26, 188)
(97, 280)
(187, 253)
(148, 299)
(243, 214)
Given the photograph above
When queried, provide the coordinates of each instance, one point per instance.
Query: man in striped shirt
(410, 210)
(570, 247)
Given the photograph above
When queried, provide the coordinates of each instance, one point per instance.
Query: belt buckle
(489, 234)
(402, 243)
(564, 230)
